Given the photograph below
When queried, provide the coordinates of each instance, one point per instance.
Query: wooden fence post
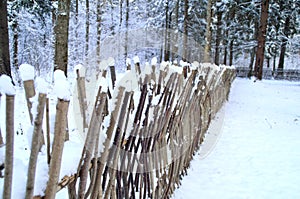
(36, 137)
(57, 149)
(9, 149)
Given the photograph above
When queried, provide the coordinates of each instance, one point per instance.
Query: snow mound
(128, 62)
(26, 72)
(61, 86)
(41, 85)
(136, 59)
(6, 86)
(111, 61)
(154, 61)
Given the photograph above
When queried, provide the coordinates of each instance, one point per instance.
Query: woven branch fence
(147, 157)
(141, 131)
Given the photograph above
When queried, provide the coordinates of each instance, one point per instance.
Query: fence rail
(286, 74)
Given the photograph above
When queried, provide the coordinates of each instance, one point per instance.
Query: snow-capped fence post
(105, 153)
(29, 93)
(137, 64)
(111, 64)
(111, 191)
(10, 101)
(36, 137)
(80, 73)
(61, 89)
(91, 141)
(27, 75)
(128, 64)
(7, 87)
(57, 148)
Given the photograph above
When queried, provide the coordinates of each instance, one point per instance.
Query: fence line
(170, 118)
(268, 73)
(141, 131)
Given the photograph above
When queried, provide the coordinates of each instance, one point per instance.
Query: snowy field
(257, 154)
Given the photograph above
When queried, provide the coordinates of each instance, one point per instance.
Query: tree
(289, 11)
(99, 13)
(167, 26)
(127, 28)
(185, 29)
(219, 31)
(87, 28)
(208, 34)
(61, 30)
(4, 41)
(261, 39)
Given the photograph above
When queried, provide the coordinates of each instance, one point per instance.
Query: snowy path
(258, 151)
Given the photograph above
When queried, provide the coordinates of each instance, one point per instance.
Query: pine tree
(261, 39)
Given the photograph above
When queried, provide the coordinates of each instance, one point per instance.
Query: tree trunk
(99, 19)
(76, 27)
(126, 27)
(261, 39)
(175, 34)
(185, 29)
(9, 149)
(231, 52)
(208, 33)
(61, 30)
(4, 41)
(15, 43)
(225, 42)
(53, 13)
(284, 43)
(218, 36)
(251, 62)
(87, 28)
(166, 50)
(274, 65)
(252, 53)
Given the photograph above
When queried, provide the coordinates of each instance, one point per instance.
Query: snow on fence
(141, 128)
(153, 121)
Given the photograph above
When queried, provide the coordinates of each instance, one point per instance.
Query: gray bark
(61, 31)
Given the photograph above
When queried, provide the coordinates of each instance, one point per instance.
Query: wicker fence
(174, 109)
(141, 131)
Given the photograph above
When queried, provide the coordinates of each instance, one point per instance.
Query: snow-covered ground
(257, 154)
